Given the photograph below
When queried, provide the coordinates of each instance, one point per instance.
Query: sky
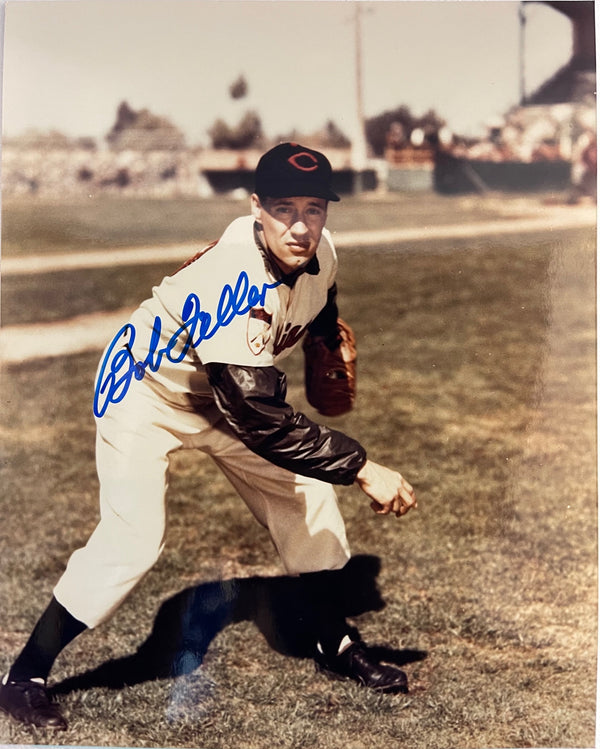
(67, 64)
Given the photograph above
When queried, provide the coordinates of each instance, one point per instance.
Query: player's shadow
(187, 623)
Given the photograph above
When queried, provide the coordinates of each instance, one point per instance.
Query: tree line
(143, 130)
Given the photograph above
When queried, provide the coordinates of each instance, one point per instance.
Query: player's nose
(299, 227)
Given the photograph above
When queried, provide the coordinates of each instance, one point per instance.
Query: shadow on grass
(187, 623)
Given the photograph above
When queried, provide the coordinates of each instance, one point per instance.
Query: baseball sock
(55, 629)
(333, 633)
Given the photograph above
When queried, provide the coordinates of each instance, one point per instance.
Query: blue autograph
(119, 365)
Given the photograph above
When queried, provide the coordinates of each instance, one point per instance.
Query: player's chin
(295, 261)
(301, 252)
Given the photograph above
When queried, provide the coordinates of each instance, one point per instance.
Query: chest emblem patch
(259, 329)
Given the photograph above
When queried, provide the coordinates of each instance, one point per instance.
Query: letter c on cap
(293, 160)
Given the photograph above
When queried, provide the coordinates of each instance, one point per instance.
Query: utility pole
(359, 144)
(522, 24)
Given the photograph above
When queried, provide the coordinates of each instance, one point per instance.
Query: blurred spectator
(584, 168)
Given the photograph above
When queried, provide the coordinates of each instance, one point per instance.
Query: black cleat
(355, 663)
(28, 702)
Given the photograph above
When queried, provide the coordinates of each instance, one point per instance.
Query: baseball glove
(330, 371)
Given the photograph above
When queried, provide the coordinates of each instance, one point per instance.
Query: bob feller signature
(119, 367)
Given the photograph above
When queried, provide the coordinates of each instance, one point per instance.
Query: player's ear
(256, 207)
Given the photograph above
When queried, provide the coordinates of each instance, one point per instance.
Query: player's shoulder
(219, 262)
(326, 252)
(326, 244)
(234, 247)
(239, 230)
(237, 251)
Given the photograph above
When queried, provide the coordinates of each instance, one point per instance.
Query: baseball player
(197, 366)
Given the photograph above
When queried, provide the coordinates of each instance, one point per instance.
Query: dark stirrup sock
(323, 611)
(55, 629)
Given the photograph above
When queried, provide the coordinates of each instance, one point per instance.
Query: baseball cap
(290, 170)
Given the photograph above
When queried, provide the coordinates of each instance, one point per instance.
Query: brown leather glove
(330, 371)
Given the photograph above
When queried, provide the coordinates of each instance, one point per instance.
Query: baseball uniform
(213, 385)
(197, 367)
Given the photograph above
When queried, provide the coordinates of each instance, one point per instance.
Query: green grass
(40, 226)
(477, 381)
(36, 225)
(59, 295)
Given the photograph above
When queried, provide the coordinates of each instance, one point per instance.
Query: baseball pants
(133, 443)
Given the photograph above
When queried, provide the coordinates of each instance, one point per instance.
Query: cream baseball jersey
(228, 306)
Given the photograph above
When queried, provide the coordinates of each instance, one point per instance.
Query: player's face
(291, 227)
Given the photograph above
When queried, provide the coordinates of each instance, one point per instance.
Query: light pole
(359, 144)
(522, 24)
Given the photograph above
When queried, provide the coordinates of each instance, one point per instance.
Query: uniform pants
(134, 440)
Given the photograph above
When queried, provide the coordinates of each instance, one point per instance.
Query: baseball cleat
(28, 702)
(355, 663)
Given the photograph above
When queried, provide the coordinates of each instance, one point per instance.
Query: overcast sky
(69, 63)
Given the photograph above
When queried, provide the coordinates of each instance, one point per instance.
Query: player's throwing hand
(389, 491)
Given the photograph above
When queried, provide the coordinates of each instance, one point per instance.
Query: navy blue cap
(291, 170)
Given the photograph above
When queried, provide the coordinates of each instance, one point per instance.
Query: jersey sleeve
(253, 401)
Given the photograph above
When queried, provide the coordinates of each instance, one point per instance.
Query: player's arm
(253, 401)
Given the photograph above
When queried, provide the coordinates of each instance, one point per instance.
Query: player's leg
(23, 694)
(134, 439)
(129, 537)
(300, 513)
(303, 518)
(131, 456)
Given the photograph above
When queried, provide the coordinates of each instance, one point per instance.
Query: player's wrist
(363, 472)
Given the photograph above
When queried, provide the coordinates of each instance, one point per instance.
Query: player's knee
(144, 552)
(144, 561)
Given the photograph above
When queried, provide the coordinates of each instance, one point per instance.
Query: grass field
(31, 226)
(476, 380)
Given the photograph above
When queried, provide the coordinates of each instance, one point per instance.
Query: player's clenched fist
(389, 491)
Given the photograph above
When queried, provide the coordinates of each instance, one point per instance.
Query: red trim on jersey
(196, 257)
